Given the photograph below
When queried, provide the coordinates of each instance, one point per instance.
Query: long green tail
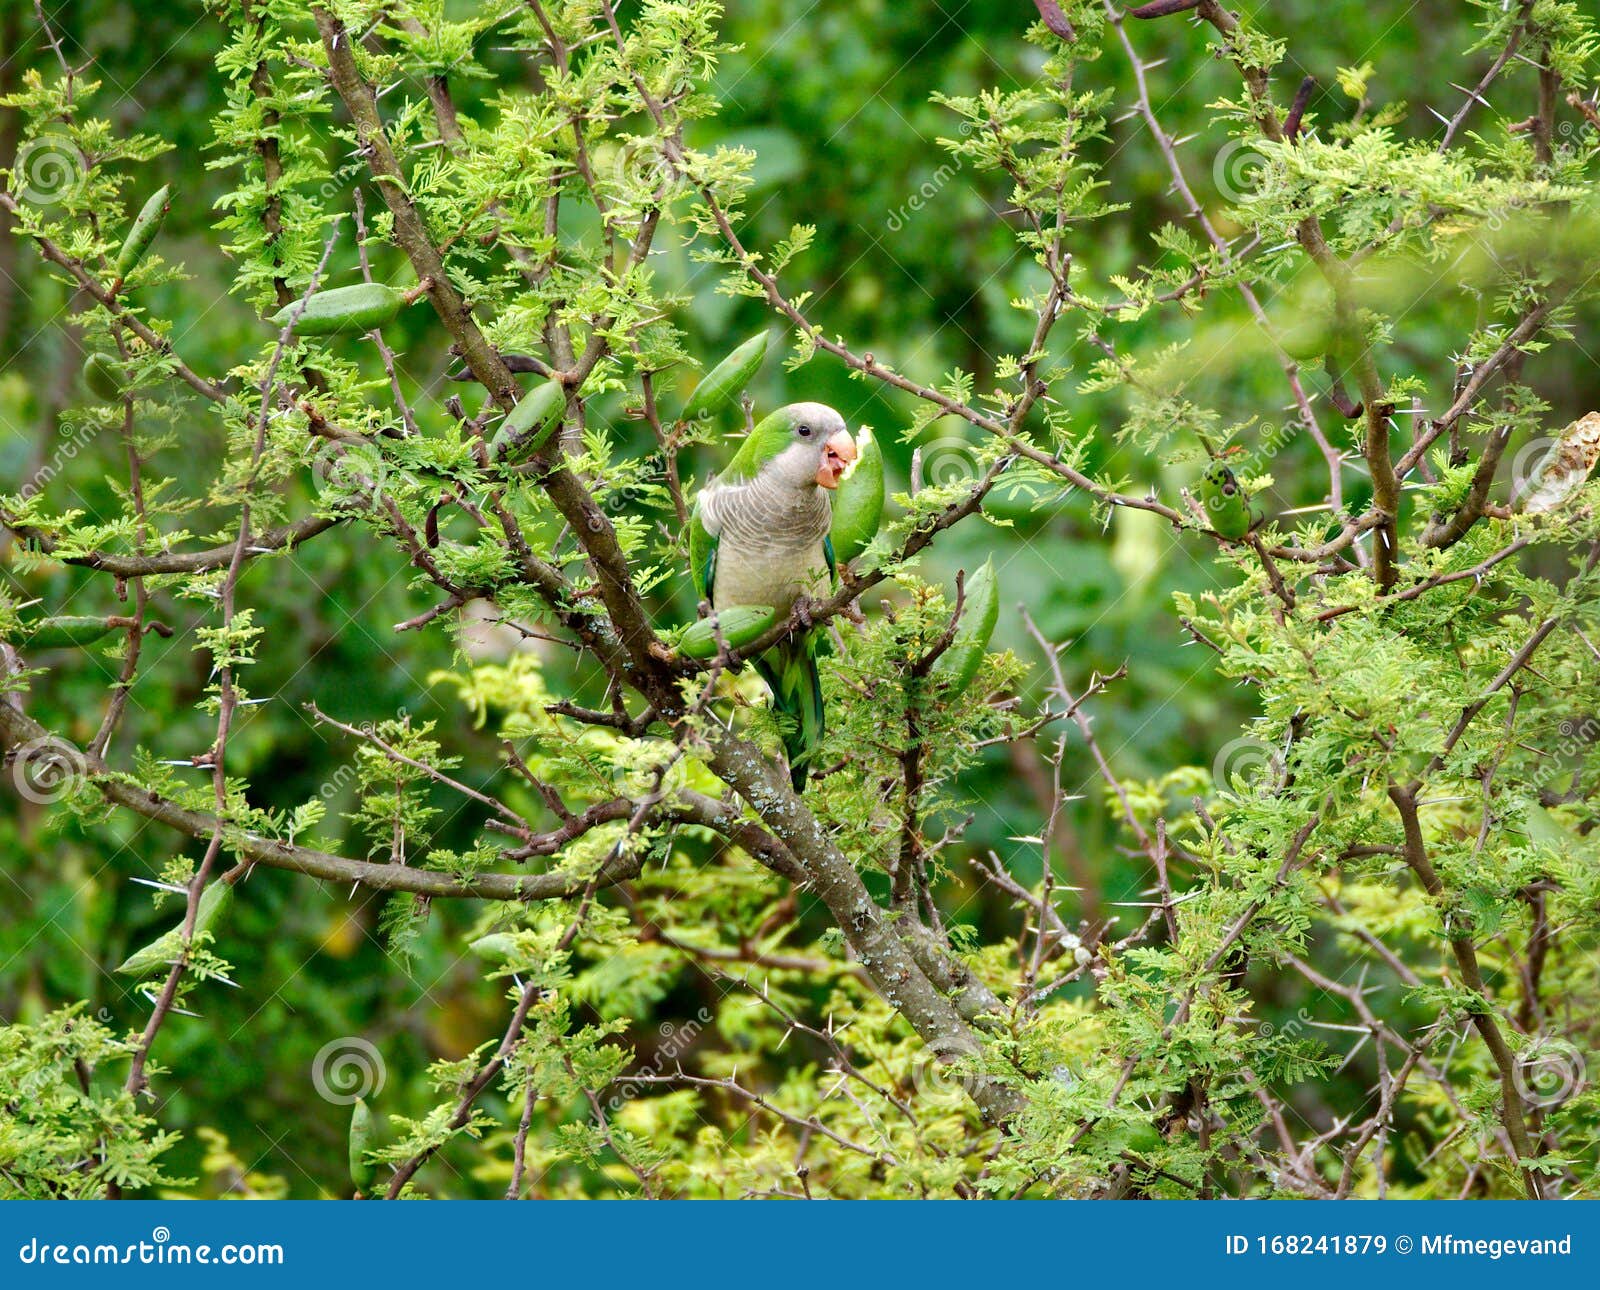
(790, 671)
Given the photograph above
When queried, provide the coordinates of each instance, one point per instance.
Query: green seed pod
(726, 381)
(858, 501)
(103, 375)
(740, 625)
(363, 1172)
(144, 230)
(496, 946)
(1225, 503)
(215, 902)
(958, 665)
(344, 311)
(527, 426)
(65, 632)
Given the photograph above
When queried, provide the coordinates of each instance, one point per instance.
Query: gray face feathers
(804, 445)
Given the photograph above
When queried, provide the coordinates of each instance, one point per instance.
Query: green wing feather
(790, 671)
(702, 557)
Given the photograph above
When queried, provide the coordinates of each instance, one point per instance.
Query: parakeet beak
(837, 454)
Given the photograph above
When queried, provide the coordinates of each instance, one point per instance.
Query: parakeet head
(802, 445)
(1220, 477)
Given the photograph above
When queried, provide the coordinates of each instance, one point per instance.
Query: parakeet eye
(804, 431)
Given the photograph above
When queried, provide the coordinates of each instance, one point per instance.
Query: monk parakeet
(759, 536)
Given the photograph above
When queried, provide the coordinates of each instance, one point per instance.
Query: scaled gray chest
(769, 548)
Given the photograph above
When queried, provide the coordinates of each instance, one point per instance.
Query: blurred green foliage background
(913, 260)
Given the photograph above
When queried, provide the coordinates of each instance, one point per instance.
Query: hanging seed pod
(145, 227)
(65, 632)
(958, 665)
(344, 311)
(858, 501)
(527, 427)
(1224, 500)
(363, 1172)
(215, 901)
(102, 374)
(495, 947)
(726, 381)
(740, 625)
(1563, 470)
